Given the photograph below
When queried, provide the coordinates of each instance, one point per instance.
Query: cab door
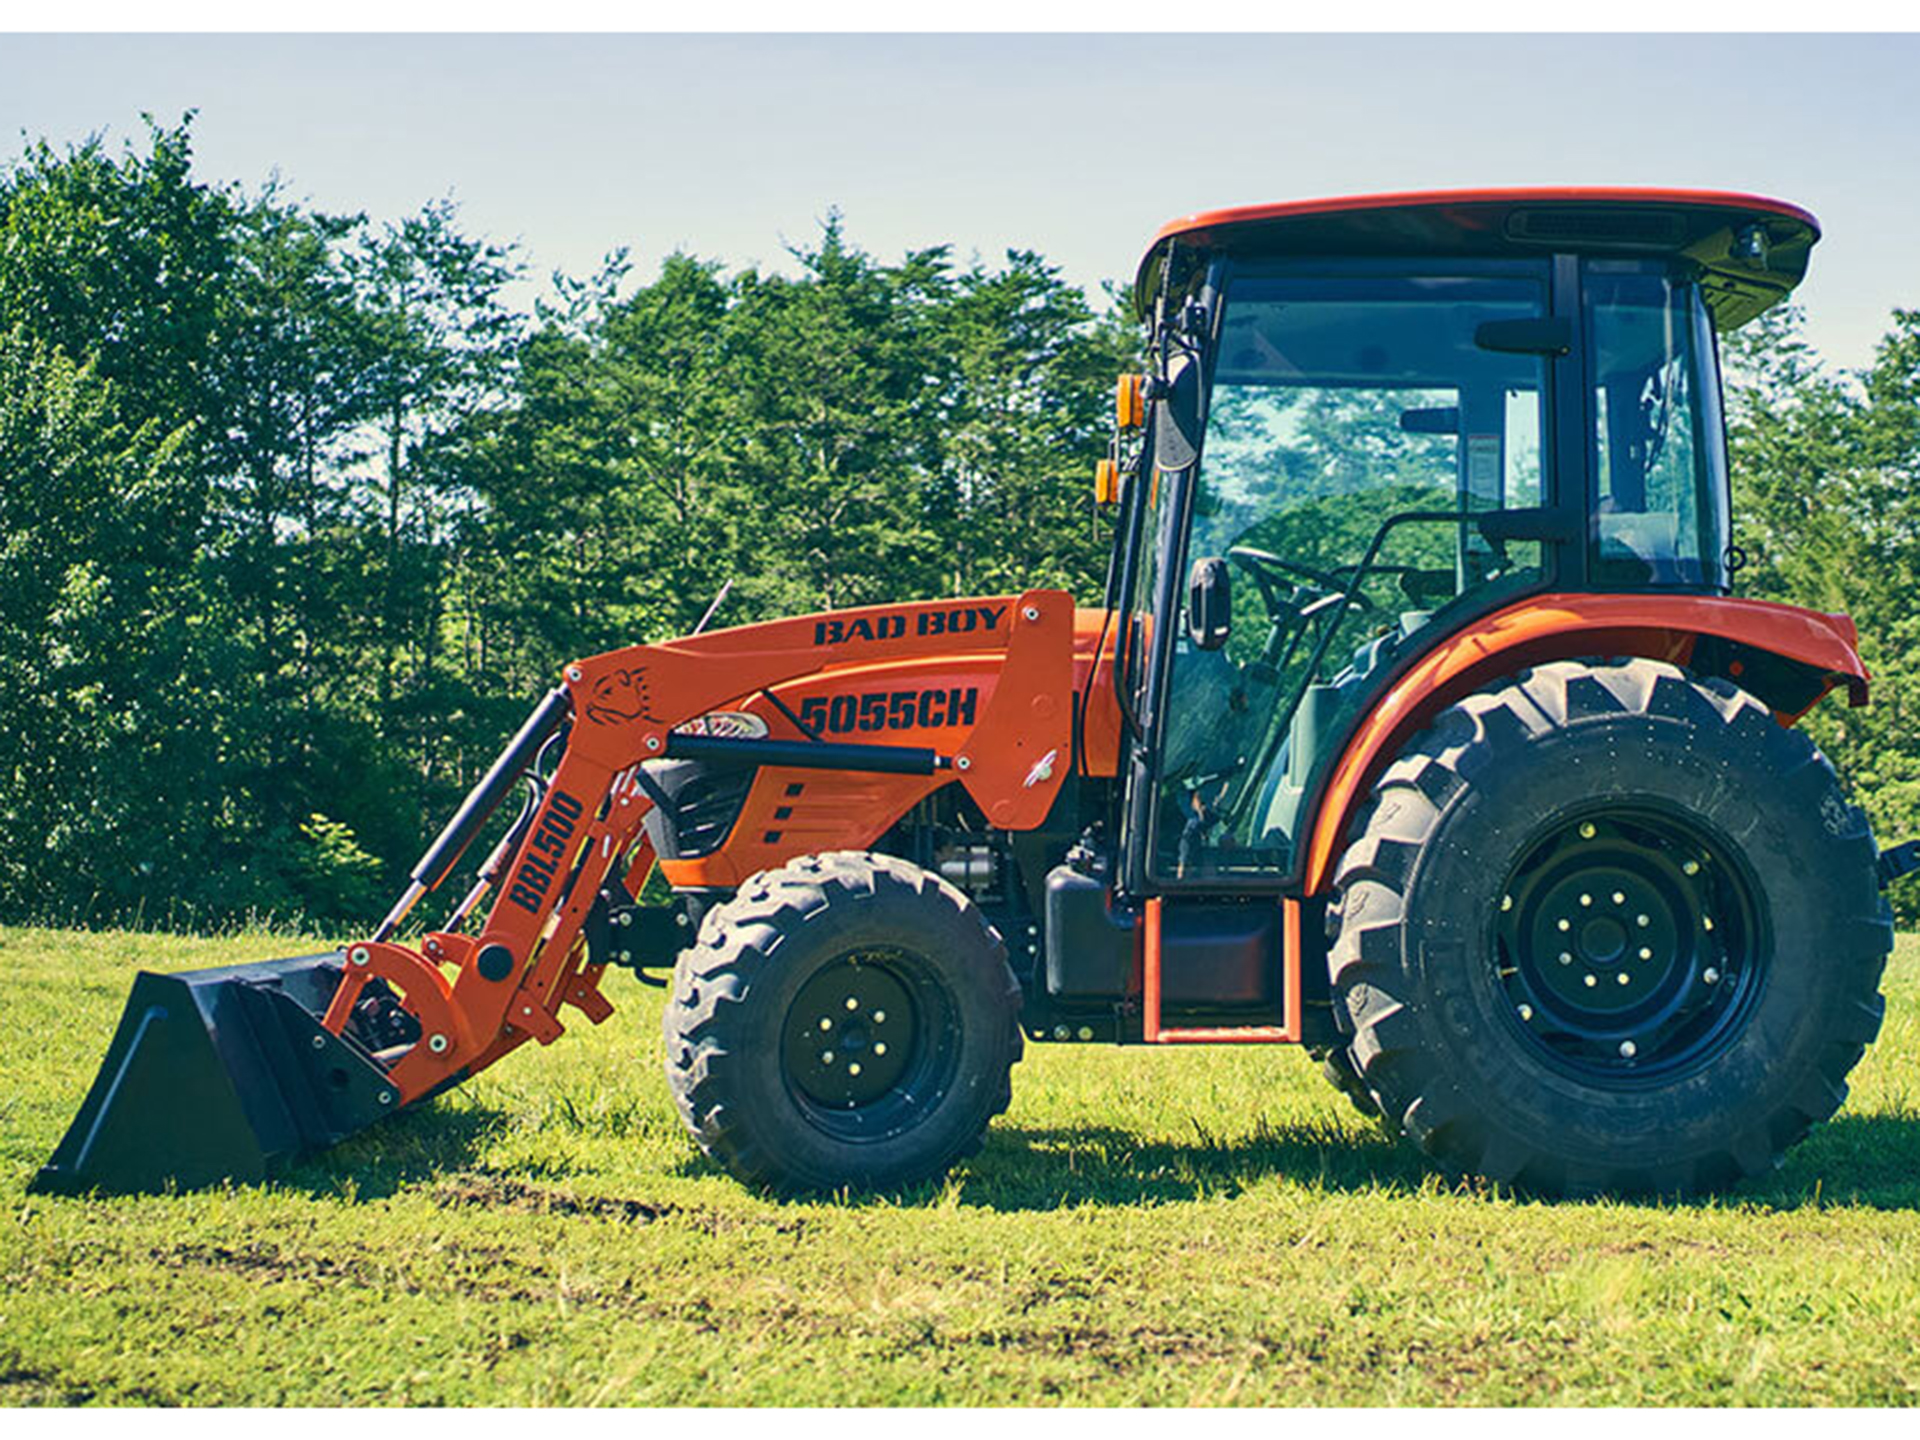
(1342, 401)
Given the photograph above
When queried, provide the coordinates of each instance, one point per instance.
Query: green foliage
(299, 513)
(1827, 504)
(335, 879)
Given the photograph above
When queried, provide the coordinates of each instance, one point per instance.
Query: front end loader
(1417, 726)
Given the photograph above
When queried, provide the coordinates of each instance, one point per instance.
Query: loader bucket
(218, 1074)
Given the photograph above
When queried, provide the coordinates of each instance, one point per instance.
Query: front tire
(1607, 927)
(845, 1021)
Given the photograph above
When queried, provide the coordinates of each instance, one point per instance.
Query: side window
(1659, 511)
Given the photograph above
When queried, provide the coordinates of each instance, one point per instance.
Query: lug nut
(1642, 921)
(880, 1048)
(1525, 1012)
(1692, 867)
(1586, 900)
(1592, 980)
(879, 1017)
(1618, 898)
(854, 1068)
(1566, 957)
(826, 1057)
(1565, 924)
(1628, 1049)
(1586, 830)
(1623, 978)
(852, 1004)
(1086, 1032)
(1710, 976)
(826, 1022)
(1707, 921)
(1061, 1032)
(1646, 953)
(1506, 902)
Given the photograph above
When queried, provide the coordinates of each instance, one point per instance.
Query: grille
(705, 806)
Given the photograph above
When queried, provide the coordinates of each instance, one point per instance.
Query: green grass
(1197, 1226)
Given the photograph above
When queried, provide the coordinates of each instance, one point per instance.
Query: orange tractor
(1417, 726)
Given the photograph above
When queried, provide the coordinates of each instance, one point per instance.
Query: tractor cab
(1373, 421)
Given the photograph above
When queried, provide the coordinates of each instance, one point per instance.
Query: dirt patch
(1661, 1248)
(267, 1262)
(502, 1192)
(497, 1192)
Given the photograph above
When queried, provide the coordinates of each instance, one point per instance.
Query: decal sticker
(890, 710)
(620, 697)
(1042, 770)
(961, 620)
(545, 850)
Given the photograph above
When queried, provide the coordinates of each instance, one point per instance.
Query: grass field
(1178, 1227)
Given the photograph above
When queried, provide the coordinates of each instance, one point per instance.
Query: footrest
(1154, 1033)
(1228, 1035)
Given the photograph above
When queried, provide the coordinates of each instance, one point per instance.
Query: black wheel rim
(1628, 946)
(869, 1043)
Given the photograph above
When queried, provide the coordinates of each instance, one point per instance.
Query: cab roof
(1714, 228)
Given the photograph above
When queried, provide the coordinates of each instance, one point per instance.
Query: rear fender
(1787, 656)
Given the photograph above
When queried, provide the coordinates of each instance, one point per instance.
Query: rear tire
(845, 1021)
(1338, 1070)
(1607, 927)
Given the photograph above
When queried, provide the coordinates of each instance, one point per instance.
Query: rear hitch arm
(1898, 860)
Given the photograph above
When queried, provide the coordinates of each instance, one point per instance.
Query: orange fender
(1558, 627)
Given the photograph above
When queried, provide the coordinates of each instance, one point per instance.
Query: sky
(1077, 146)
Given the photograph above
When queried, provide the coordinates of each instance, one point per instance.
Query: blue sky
(1078, 146)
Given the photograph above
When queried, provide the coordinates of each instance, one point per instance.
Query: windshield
(1340, 401)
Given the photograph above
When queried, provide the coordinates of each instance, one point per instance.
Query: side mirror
(1209, 604)
(1176, 427)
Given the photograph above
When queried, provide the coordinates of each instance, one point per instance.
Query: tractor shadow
(1025, 1168)
(415, 1147)
(1870, 1160)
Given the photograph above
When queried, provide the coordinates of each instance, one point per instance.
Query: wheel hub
(1625, 945)
(850, 1033)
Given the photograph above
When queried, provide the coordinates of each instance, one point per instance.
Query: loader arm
(470, 998)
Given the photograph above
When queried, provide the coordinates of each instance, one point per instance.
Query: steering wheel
(1258, 562)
